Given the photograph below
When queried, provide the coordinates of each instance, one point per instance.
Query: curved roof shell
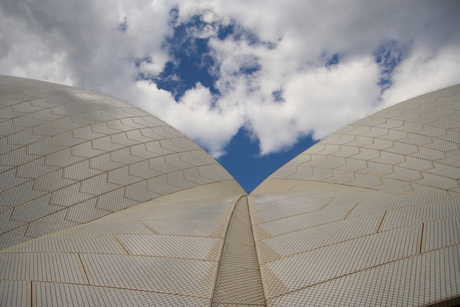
(370, 215)
(104, 204)
(70, 156)
(112, 205)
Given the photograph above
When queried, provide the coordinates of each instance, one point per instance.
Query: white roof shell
(103, 204)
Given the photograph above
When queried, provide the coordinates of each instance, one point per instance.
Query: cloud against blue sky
(278, 70)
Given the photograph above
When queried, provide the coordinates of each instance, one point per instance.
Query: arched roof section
(370, 215)
(70, 156)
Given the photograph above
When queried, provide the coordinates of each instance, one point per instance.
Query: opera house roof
(104, 204)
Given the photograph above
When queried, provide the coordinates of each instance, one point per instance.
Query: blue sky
(253, 82)
(191, 63)
(250, 168)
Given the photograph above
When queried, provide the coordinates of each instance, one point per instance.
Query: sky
(253, 82)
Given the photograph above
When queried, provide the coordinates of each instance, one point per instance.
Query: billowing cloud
(424, 71)
(281, 70)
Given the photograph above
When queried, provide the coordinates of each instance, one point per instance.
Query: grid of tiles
(127, 257)
(238, 279)
(401, 283)
(411, 146)
(70, 156)
(102, 204)
(368, 216)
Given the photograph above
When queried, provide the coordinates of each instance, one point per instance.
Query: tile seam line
(29, 179)
(85, 270)
(108, 287)
(33, 295)
(352, 157)
(100, 253)
(347, 216)
(366, 188)
(146, 226)
(348, 240)
(338, 185)
(395, 103)
(300, 197)
(100, 155)
(107, 181)
(45, 121)
(83, 126)
(6, 79)
(304, 201)
(66, 147)
(78, 100)
(307, 213)
(81, 224)
(362, 270)
(166, 235)
(121, 244)
(398, 129)
(106, 254)
(445, 302)
(382, 220)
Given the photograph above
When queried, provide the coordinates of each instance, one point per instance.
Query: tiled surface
(172, 246)
(163, 275)
(416, 281)
(125, 210)
(129, 255)
(238, 279)
(322, 264)
(391, 237)
(57, 267)
(70, 156)
(15, 293)
(102, 204)
(81, 295)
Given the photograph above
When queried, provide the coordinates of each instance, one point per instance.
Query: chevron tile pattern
(71, 156)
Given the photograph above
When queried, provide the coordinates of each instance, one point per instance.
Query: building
(103, 204)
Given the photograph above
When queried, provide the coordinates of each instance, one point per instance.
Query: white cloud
(424, 71)
(80, 43)
(211, 126)
(24, 52)
(317, 102)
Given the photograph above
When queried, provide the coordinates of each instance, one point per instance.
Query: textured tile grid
(81, 295)
(162, 275)
(172, 246)
(127, 258)
(238, 278)
(187, 228)
(301, 221)
(71, 243)
(86, 156)
(397, 244)
(41, 266)
(321, 264)
(442, 233)
(368, 216)
(14, 293)
(100, 151)
(400, 283)
(307, 239)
